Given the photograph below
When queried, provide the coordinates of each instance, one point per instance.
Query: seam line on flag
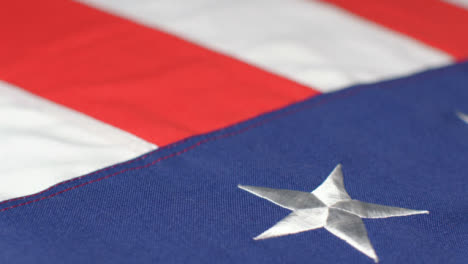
(307, 105)
(98, 171)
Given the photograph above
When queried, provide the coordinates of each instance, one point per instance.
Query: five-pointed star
(463, 117)
(329, 206)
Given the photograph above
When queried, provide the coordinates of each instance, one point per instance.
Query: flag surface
(128, 130)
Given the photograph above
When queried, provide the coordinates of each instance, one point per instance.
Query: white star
(463, 117)
(329, 206)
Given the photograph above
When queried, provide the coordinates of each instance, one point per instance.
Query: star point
(329, 206)
(462, 116)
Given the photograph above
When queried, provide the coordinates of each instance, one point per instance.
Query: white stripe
(43, 143)
(310, 42)
(460, 3)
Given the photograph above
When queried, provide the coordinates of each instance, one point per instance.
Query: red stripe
(438, 24)
(144, 81)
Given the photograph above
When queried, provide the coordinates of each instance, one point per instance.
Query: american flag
(218, 131)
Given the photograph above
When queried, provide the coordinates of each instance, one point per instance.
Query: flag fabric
(233, 132)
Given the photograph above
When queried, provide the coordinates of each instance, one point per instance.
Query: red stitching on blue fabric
(201, 142)
(96, 172)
